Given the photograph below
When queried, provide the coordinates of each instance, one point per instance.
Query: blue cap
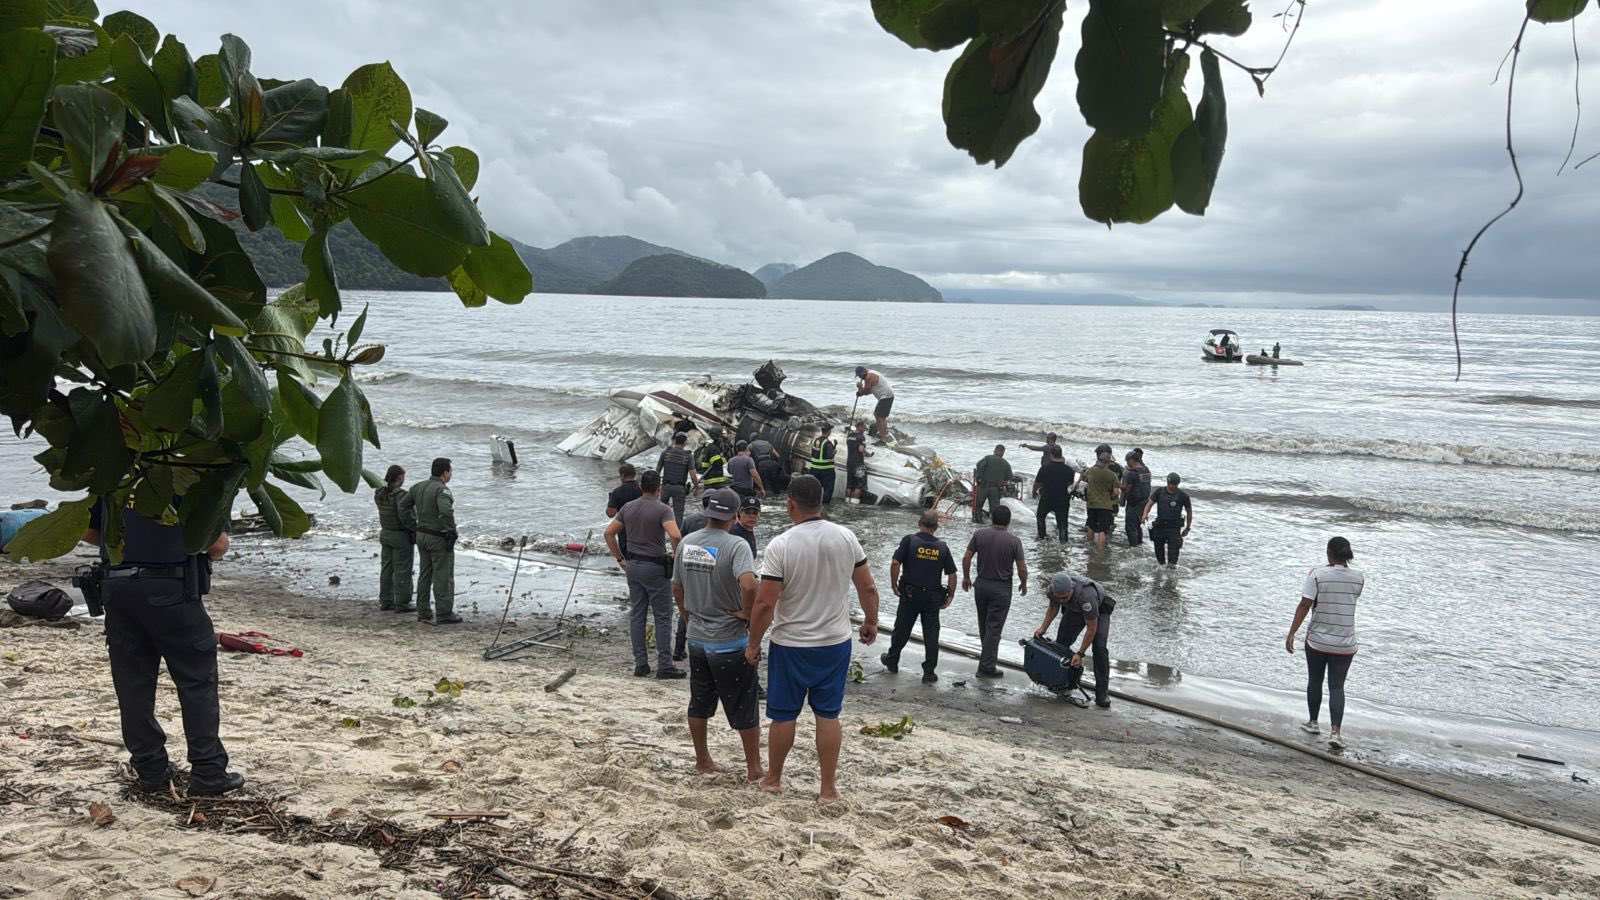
(861, 370)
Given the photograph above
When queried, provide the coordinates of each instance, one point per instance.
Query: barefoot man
(805, 578)
(714, 584)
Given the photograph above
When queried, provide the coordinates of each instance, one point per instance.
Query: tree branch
(381, 175)
(1511, 87)
(1298, 15)
(1577, 96)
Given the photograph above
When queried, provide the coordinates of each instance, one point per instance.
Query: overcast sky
(775, 130)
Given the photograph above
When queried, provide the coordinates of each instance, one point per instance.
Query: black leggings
(1337, 666)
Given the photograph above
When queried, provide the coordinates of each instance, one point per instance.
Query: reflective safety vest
(822, 455)
(712, 460)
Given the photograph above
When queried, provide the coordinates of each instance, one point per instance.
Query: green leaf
(140, 30)
(98, 284)
(284, 516)
(245, 372)
(242, 422)
(988, 95)
(471, 295)
(1130, 179)
(498, 271)
(152, 494)
(27, 67)
(96, 453)
(1229, 17)
(72, 9)
(177, 218)
(901, 18)
(465, 162)
(175, 69)
(90, 120)
(377, 95)
(255, 204)
(287, 212)
(341, 112)
(369, 425)
(182, 167)
(429, 126)
(322, 281)
(211, 86)
(226, 271)
(1121, 66)
(170, 404)
(23, 14)
(169, 283)
(89, 57)
(1178, 13)
(951, 24)
(300, 404)
(211, 394)
(1004, 20)
(280, 328)
(339, 432)
(53, 534)
(138, 85)
(299, 479)
(424, 227)
(1550, 11)
(356, 328)
(208, 506)
(234, 64)
(1197, 154)
(292, 115)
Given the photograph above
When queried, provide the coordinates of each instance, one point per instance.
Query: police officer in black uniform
(1085, 606)
(924, 577)
(154, 613)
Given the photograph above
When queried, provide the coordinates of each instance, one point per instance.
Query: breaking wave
(1298, 445)
(527, 391)
(1512, 515)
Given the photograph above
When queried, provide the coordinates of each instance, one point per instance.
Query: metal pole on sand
(543, 638)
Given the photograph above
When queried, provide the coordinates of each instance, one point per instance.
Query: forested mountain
(676, 275)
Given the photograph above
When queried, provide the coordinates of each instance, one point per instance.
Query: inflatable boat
(1257, 359)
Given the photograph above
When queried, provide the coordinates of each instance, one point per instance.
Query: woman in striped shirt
(1329, 594)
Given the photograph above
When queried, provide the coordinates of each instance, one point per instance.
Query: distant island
(773, 271)
(674, 275)
(846, 276)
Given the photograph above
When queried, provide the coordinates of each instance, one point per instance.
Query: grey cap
(1062, 584)
(722, 504)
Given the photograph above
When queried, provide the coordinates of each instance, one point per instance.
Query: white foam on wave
(1309, 445)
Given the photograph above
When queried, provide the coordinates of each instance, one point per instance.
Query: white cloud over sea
(766, 130)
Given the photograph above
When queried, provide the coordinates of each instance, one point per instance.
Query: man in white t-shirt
(805, 576)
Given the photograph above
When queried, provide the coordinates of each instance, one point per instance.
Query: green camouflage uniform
(436, 545)
(396, 535)
(992, 472)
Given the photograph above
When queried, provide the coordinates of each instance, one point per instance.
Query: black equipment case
(1047, 663)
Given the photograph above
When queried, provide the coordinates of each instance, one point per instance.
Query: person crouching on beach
(805, 576)
(1329, 594)
(714, 585)
(1085, 607)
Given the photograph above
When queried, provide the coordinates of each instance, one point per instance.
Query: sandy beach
(597, 782)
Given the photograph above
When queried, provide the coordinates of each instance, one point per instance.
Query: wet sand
(1069, 803)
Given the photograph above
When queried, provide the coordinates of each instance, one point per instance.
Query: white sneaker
(1310, 728)
(1337, 742)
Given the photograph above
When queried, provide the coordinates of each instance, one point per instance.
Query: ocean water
(1472, 505)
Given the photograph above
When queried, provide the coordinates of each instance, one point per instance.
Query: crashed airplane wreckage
(646, 417)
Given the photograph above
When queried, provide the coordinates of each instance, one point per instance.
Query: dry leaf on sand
(101, 814)
(195, 885)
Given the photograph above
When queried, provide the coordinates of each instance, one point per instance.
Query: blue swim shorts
(796, 675)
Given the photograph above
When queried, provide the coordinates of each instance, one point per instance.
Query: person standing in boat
(1328, 594)
(1277, 348)
(870, 382)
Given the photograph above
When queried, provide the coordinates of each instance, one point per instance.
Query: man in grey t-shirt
(997, 551)
(742, 469)
(648, 523)
(714, 584)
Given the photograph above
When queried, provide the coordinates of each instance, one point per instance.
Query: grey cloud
(777, 131)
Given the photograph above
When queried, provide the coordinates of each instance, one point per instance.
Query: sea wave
(1513, 516)
(1296, 445)
(1531, 400)
(528, 391)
